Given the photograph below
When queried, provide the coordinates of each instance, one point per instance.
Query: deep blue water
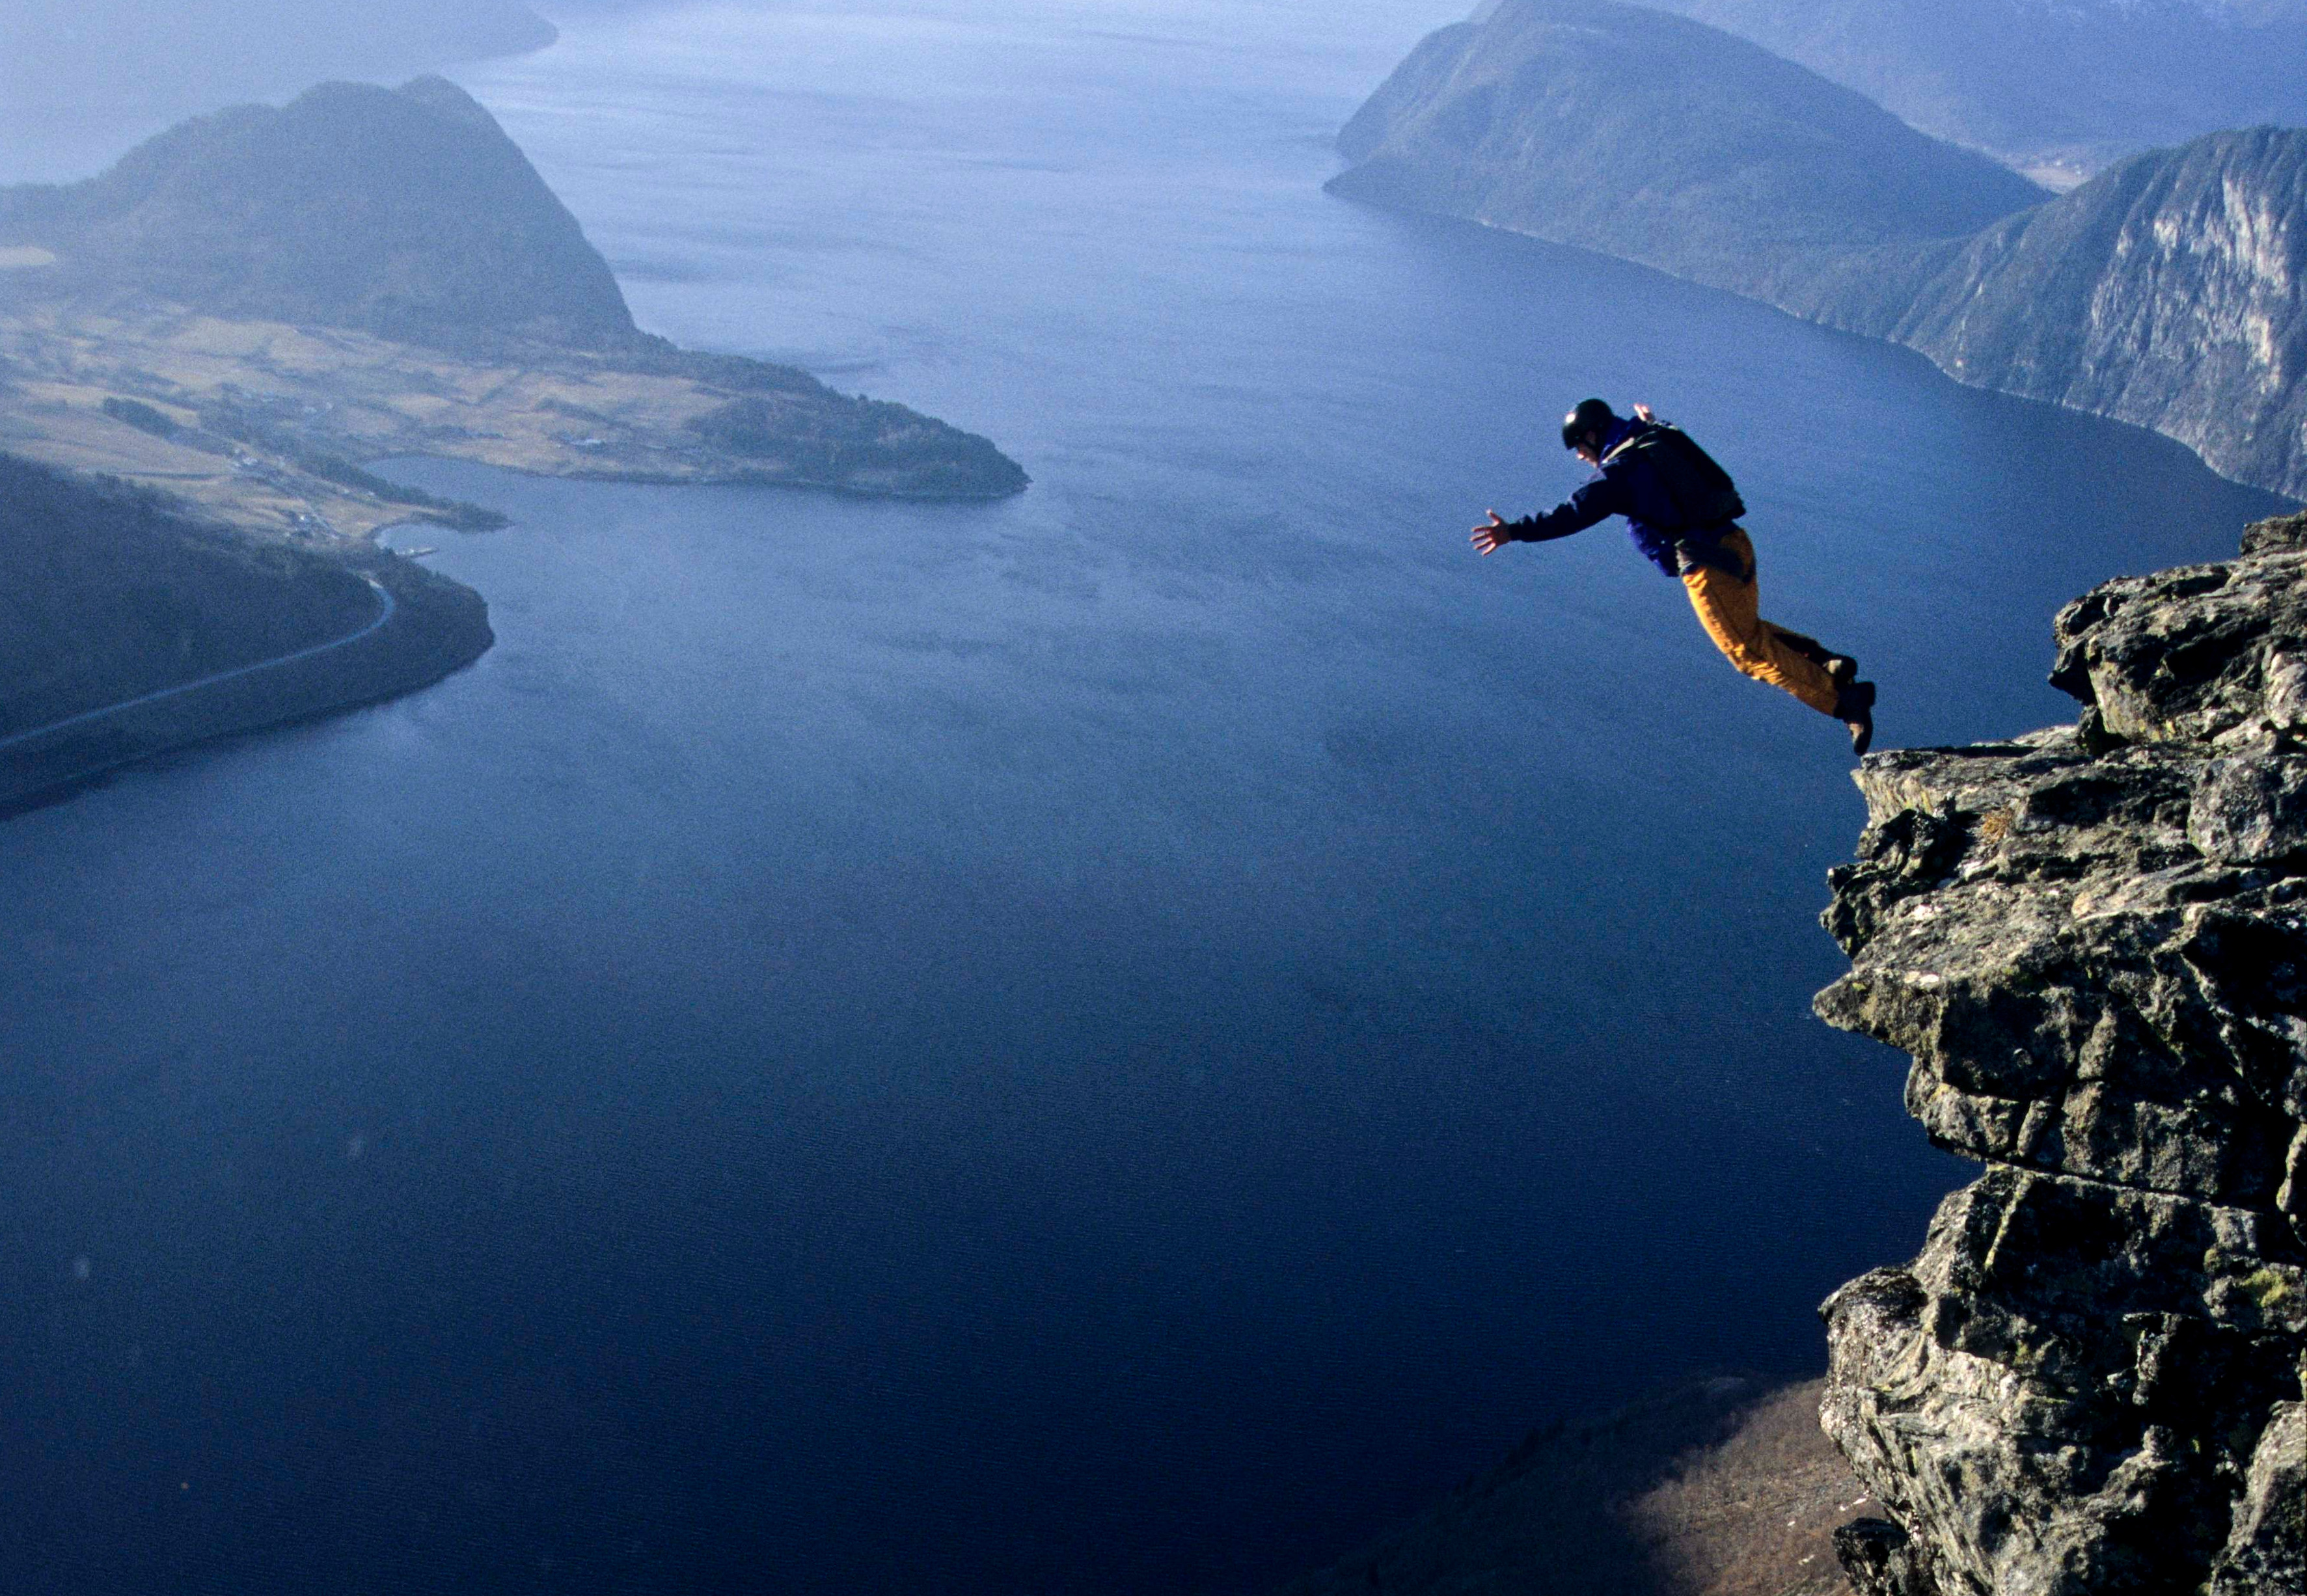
(1114, 1041)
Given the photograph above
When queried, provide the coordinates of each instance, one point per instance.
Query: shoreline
(270, 425)
(1881, 341)
(427, 629)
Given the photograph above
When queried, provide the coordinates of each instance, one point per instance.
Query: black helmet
(1591, 415)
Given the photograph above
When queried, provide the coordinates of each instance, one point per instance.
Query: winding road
(386, 604)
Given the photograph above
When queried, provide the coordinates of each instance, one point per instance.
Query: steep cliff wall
(2170, 291)
(2093, 941)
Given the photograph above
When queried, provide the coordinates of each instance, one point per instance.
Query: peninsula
(235, 322)
(367, 273)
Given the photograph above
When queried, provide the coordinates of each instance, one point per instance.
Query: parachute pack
(1701, 492)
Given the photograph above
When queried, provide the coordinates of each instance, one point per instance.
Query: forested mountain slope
(2170, 291)
(1643, 135)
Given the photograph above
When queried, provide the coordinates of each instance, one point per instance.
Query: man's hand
(1490, 538)
(1644, 412)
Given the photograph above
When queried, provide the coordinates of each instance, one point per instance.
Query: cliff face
(1643, 135)
(2093, 941)
(2170, 291)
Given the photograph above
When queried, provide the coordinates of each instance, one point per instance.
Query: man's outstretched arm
(1596, 502)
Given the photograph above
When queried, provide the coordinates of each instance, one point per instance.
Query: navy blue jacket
(1627, 486)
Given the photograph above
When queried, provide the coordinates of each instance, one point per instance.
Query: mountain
(2090, 942)
(2170, 291)
(251, 307)
(408, 213)
(1648, 136)
(2076, 82)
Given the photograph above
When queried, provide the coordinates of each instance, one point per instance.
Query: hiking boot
(1855, 708)
(1840, 669)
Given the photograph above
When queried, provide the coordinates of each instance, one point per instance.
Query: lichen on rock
(2093, 942)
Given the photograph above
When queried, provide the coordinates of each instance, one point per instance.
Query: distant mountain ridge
(2166, 292)
(2088, 80)
(1648, 136)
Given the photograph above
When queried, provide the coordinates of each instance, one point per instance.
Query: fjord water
(1117, 1041)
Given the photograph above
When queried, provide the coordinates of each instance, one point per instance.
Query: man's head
(1584, 429)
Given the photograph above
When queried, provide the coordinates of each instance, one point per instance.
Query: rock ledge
(2093, 941)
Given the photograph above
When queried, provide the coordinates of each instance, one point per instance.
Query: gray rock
(1881, 1559)
(2250, 811)
(2268, 1550)
(2093, 943)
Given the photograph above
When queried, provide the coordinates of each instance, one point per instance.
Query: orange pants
(1729, 608)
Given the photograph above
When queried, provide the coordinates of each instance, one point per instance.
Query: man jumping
(1683, 512)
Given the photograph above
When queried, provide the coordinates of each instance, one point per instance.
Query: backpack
(1701, 491)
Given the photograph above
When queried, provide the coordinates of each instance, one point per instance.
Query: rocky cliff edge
(2093, 941)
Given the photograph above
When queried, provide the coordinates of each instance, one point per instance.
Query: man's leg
(1802, 643)
(1840, 668)
(1728, 608)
